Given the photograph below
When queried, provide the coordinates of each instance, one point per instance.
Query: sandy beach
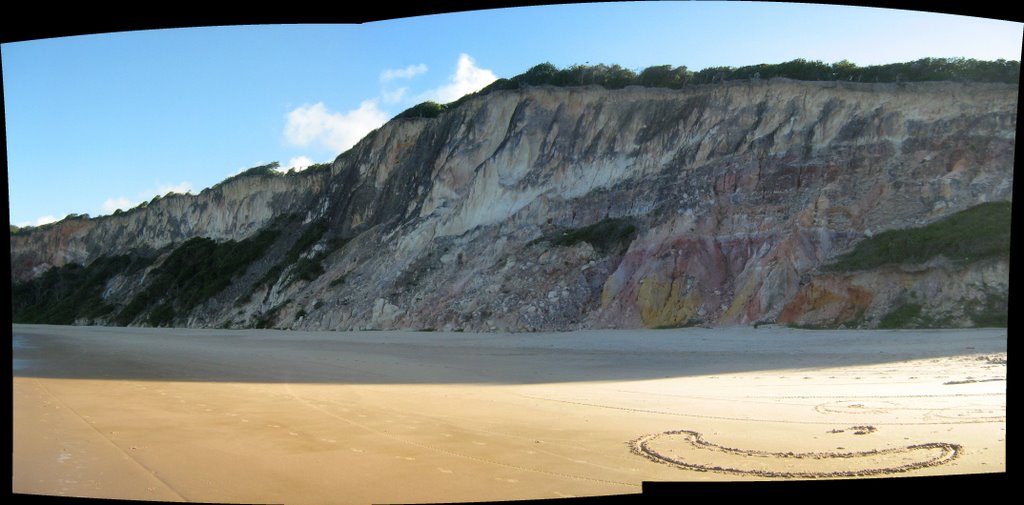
(398, 417)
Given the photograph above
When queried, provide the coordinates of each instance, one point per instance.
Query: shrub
(64, 294)
(608, 235)
(974, 234)
(664, 76)
(424, 110)
(991, 311)
(194, 272)
(907, 315)
(305, 268)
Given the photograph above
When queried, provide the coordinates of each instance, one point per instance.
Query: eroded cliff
(714, 205)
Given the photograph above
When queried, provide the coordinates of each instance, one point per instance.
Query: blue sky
(100, 122)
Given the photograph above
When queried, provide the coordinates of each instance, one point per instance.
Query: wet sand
(378, 417)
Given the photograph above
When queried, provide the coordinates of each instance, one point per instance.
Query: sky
(100, 122)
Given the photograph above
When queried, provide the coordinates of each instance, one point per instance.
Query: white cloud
(468, 78)
(299, 163)
(113, 204)
(314, 124)
(393, 96)
(402, 73)
(39, 222)
(181, 188)
(243, 169)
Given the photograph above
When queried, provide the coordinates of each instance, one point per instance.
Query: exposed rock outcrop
(738, 193)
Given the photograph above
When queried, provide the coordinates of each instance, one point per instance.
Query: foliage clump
(423, 110)
(268, 170)
(971, 235)
(667, 76)
(607, 235)
(310, 267)
(990, 311)
(906, 315)
(65, 294)
(195, 271)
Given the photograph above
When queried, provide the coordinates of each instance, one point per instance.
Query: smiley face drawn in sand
(688, 450)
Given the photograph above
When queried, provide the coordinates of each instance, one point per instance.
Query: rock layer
(739, 192)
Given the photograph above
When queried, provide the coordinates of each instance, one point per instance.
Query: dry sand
(377, 417)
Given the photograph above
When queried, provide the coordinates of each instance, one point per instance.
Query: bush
(664, 76)
(194, 272)
(64, 294)
(974, 234)
(991, 311)
(423, 110)
(907, 315)
(608, 235)
(306, 268)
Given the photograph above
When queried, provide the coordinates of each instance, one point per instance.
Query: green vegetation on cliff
(65, 294)
(194, 272)
(425, 109)
(28, 230)
(988, 311)
(611, 235)
(305, 268)
(667, 76)
(971, 235)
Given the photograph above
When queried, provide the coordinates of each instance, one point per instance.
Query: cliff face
(234, 209)
(737, 194)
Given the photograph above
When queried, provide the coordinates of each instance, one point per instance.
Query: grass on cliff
(667, 76)
(608, 235)
(990, 311)
(65, 294)
(974, 234)
(308, 268)
(194, 272)
(910, 315)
